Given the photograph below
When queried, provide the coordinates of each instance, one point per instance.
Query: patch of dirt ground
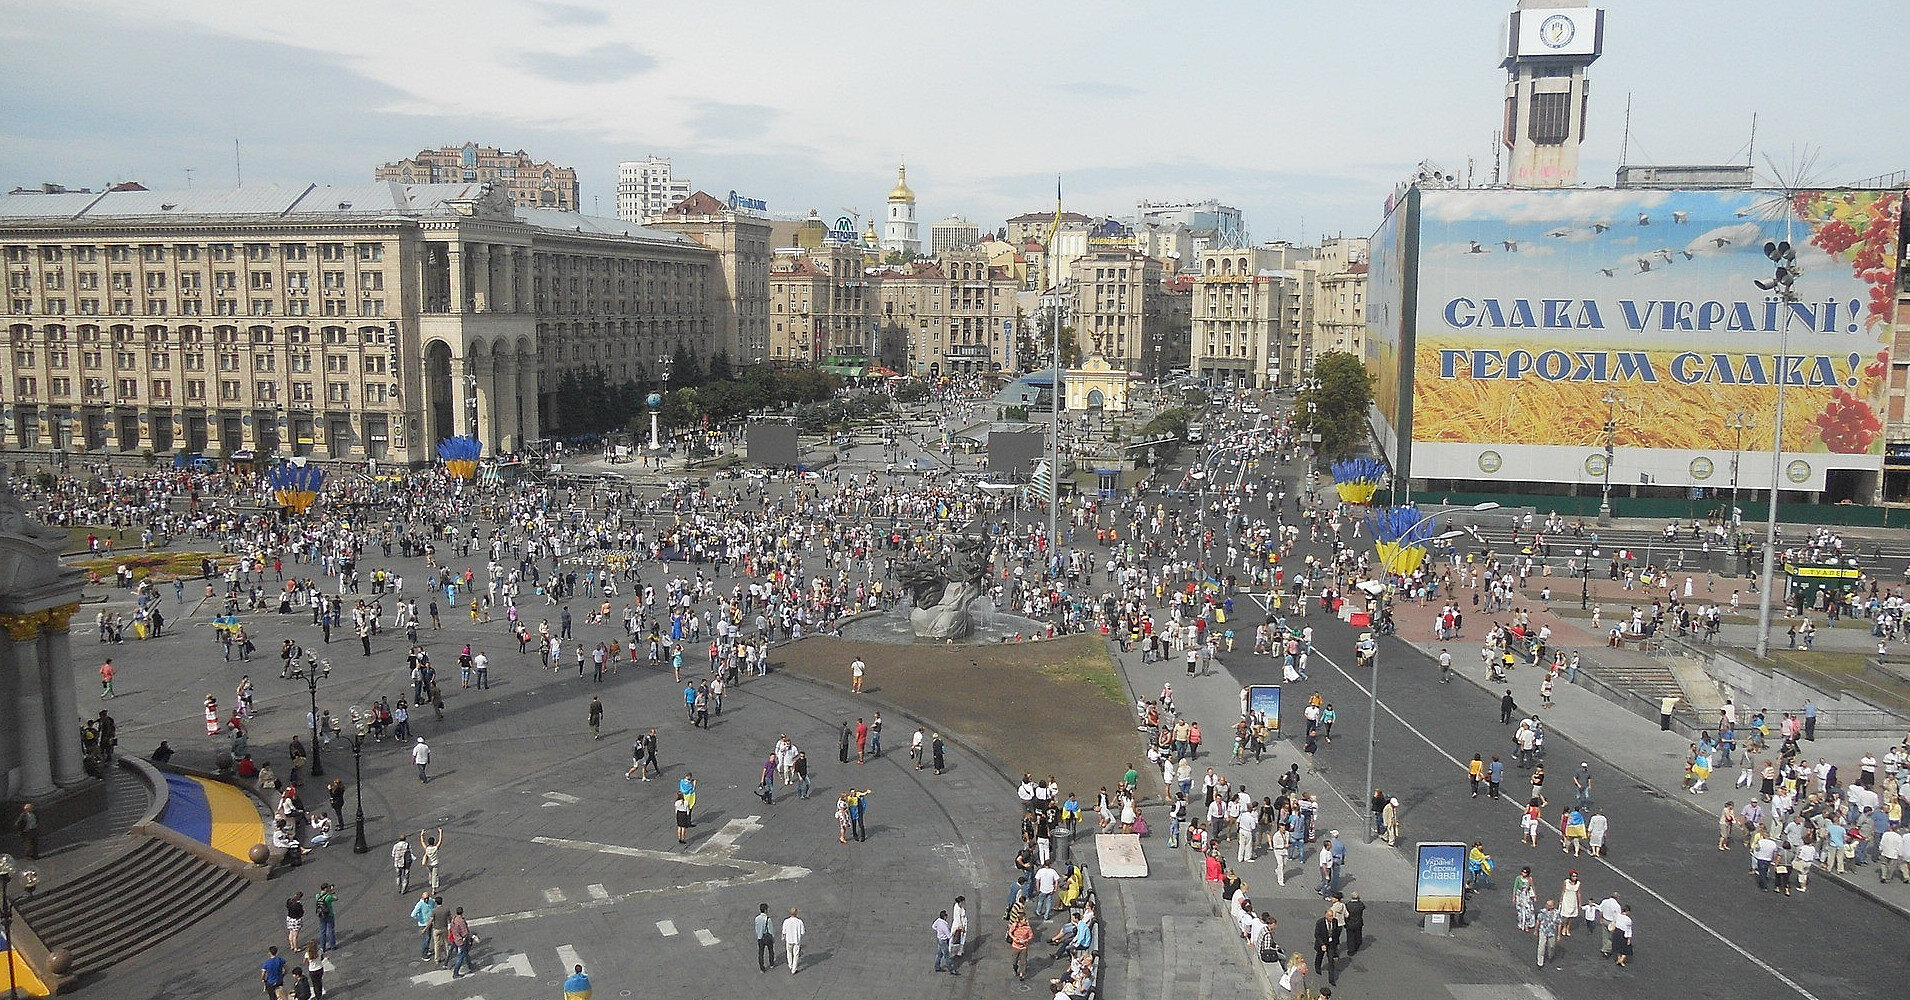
(1053, 707)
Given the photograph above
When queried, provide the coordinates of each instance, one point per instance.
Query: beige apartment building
(1337, 313)
(822, 309)
(954, 314)
(338, 322)
(531, 184)
(1241, 318)
(1118, 307)
(742, 241)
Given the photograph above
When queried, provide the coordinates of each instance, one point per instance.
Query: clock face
(1556, 31)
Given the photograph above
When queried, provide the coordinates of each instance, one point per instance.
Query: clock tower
(1548, 46)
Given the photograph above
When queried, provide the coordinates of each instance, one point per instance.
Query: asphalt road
(1703, 929)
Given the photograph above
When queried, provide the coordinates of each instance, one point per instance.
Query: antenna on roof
(238, 165)
(188, 178)
(1750, 155)
(1624, 144)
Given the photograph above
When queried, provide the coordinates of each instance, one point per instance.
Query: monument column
(454, 271)
(504, 394)
(23, 658)
(69, 757)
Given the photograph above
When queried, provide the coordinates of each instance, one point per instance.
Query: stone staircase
(131, 903)
(1648, 679)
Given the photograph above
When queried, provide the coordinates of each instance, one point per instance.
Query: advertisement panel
(1439, 883)
(1265, 699)
(1541, 315)
(1388, 333)
(1564, 31)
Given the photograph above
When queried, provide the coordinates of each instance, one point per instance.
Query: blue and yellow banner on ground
(1439, 878)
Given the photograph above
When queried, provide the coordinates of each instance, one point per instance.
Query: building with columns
(41, 758)
(1118, 308)
(347, 323)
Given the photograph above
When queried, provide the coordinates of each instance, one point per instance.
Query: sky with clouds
(1303, 114)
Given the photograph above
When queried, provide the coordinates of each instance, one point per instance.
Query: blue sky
(1303, 114)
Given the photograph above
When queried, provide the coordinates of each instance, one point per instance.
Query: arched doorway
(440, 414)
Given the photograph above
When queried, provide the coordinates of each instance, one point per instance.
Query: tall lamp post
(1372, 689)
(318, 762)
(1739, 422)
(358, 844)
(30, 879)
(1611, 401)
(1785, 258)
(470, 400)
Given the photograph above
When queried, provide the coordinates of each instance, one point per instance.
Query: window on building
(1551, 116)
(229, 389)
(162, 389)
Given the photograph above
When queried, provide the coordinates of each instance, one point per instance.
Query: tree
(1337, 409)
(720, 370)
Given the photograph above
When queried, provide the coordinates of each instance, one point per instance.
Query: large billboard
(1537, 316)
(773, 445)
(1388, 327)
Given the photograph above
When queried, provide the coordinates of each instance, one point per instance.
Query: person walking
(1548, 929)
(1020, 936)
(944, 962)
(577, 984)
(458, 935)
(294, 921)
(856, 670)
(27, 825)
(421, 756)
(596, 715)
(421, 912)
(326, 902)
(793, 930)
(106, 672)
(765, 940)
(272, 973)
(431, 848)
(401, 864)
(316, 965)
(957, 931)
(1326, 946)
(682, 809)
(1355, 924)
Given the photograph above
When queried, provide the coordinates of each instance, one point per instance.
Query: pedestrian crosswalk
(518, 965)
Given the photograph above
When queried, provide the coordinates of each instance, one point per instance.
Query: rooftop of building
(313, 203)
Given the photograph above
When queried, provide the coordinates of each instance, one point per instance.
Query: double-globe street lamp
(31, 880)
(1372, 690)
(358, 844)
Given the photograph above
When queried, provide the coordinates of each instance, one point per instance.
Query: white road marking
(553, 895)
(752, 873)
(517, 963)
(724, 841)
(705, 938)
(1509, 801)
(436, 977)
(569, 800)
(567, 958)
(667, 928)
(597, 891)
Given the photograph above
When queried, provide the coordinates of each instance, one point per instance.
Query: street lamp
(30, 879)
(1372, 690)
(1784, 256)
(318, 762)
(358, 844)
(1611, 401)
(1739, 422)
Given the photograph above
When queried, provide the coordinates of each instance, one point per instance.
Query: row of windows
(256, 306)
(159, 253)
(160, 390)
(20, 333)
(228, 361)
(20, 282)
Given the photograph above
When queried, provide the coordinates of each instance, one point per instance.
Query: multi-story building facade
(1118, 306)
(1240, 300)
(952, 233)
(1035, 226)
(1334, 297)
(646, 188)
(337, 322)
(742, 241)
(951, 315)
(822, 309)
(531, 184)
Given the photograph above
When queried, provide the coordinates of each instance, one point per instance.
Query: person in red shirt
(106, 672)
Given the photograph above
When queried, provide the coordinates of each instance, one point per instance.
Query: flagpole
(1054, 411)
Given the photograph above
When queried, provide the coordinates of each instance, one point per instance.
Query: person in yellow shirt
(1476, 773)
